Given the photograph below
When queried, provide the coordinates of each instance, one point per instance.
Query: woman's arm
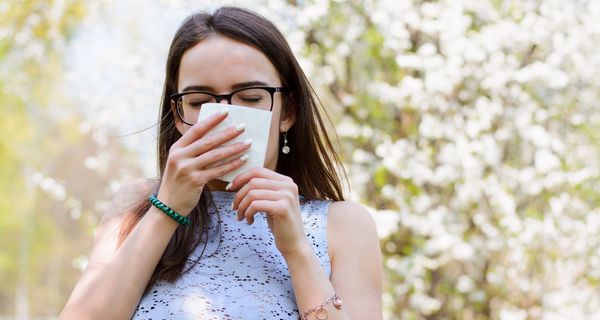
(356, 266)
(356, 263)
(114, 280)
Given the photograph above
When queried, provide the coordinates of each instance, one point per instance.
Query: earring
(285, 148)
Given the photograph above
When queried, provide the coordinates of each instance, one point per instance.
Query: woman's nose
(224, 100)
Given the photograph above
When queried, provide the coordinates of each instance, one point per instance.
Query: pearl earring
(285, 148)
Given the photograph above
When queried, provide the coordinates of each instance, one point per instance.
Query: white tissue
(258, 123)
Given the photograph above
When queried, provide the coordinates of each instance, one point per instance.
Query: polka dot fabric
(241, 274)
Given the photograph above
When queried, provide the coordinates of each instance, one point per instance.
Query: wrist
(159, 218)
(172, 203)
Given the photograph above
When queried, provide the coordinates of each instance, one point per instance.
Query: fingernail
(240, 127)
(231, 207)
(224, 111)
(244, 158)
(228, 186)
(248, 142)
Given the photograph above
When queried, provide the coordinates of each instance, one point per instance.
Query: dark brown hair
(313, 165)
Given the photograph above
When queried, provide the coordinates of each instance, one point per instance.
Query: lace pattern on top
(241, 274)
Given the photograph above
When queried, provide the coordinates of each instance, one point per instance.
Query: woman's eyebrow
(248, 84)
(236, 86)
(198, 88)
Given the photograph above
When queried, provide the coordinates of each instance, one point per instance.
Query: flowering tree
(469, 127)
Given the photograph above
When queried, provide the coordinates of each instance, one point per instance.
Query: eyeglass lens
(189, 105)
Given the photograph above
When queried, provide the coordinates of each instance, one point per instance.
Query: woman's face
(219, 64)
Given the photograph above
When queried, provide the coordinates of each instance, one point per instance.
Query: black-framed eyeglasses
(188, 103)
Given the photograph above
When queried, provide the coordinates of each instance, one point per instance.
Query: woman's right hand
(194, 160)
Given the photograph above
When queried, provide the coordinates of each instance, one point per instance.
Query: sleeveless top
(241, 274)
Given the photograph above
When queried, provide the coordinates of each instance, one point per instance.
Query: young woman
(306, 253)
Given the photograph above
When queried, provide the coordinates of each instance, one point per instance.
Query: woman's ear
(288, 118)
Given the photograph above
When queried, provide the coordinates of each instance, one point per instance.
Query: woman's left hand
(263, 190)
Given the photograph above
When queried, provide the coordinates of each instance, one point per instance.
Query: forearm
(115, 290)
(311, 285)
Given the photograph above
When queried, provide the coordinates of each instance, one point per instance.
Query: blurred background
(468, 128)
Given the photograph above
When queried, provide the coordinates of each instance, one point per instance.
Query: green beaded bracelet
(170, 212)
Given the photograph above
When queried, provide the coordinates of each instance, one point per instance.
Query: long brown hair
(314, 166)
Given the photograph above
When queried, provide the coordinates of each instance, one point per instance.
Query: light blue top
(241, 275)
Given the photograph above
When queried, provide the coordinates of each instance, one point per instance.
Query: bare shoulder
(122, 202)
(349, 209)
(106, 235)
(344, 216)
(349, 222)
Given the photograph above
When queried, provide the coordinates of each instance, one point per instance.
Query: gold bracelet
(320, 310)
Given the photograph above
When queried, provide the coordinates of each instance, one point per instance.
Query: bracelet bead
(185, 221)
(320, 311)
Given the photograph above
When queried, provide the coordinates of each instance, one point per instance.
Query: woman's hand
(195, 159)
(263, 190)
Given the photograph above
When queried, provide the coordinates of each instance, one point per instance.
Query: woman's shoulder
(350, 214)
(349, 225)
(340, 214)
